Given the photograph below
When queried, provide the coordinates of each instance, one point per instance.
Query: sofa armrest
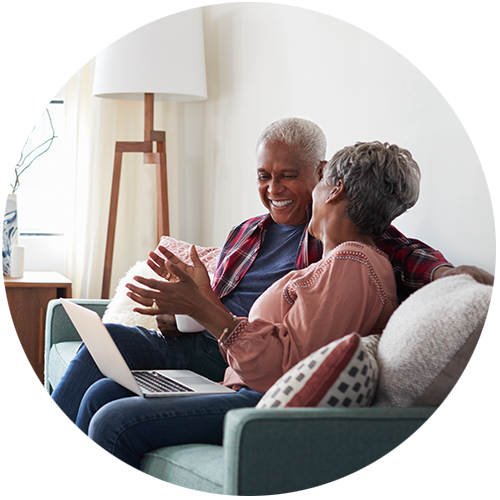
(271, 451)
(58, 326)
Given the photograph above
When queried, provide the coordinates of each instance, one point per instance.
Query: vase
(10, 232)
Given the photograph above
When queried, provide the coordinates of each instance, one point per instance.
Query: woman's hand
(179, 296)
(198, 271)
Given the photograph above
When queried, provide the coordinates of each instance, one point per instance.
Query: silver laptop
(146, 383)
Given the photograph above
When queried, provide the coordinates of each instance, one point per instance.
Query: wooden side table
(28, 298)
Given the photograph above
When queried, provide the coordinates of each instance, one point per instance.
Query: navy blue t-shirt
(276, 258)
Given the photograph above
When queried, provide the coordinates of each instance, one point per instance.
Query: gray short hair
(381, 182)
(299, 133)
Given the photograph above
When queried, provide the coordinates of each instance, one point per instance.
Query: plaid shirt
(414, 262)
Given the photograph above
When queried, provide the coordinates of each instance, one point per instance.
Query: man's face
(285, 183)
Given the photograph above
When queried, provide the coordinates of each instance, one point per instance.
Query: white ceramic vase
(10, 237)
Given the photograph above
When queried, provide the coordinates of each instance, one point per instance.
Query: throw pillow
(340, 374)
(208, 255)
(428, 341)
(120, 309)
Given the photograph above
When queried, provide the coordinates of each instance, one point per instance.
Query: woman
(352, 288)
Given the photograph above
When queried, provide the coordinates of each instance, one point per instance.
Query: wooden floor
(9, 444)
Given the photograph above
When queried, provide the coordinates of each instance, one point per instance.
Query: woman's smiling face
(285, 182)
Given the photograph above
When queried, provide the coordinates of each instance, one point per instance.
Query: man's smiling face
(285, 182)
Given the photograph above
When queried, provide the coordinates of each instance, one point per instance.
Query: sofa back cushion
(429, 340)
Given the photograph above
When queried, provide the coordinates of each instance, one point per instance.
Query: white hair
(299, 133)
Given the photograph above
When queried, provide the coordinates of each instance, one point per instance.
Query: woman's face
(285, 183)
(319, 195)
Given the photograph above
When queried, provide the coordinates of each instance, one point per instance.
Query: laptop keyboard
(156, 382)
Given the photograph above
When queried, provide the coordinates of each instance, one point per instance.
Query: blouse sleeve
(340, 295)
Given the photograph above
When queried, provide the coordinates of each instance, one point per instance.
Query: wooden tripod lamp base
(157, 158)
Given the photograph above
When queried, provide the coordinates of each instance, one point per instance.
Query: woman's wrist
(216, 319)
(227, 330)
(212, 296)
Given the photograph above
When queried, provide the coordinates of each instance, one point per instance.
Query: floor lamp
(163, 61)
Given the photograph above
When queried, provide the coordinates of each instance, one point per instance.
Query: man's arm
(414, 262)
(480, 275)
(417, 264)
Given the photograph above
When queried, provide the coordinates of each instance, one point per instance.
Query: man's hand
(480, 275)
(168, 327)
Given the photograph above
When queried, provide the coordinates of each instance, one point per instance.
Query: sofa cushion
(429, 340)
(60, 356)
(340, 374)
(195, 466)
(120, 309)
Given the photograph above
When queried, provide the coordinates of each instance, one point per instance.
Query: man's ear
(337, 192)
(320, 168)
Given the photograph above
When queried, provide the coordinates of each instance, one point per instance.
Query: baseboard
(34, 407)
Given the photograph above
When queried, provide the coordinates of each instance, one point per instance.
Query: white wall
(266, 61)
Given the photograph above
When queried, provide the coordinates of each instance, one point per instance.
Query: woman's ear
(337, 192)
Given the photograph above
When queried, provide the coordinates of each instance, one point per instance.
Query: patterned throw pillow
(208, 255)
(343, 373)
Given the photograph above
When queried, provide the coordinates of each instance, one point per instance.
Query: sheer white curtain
(93, 125)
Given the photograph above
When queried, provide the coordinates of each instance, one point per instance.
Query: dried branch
(23, 160)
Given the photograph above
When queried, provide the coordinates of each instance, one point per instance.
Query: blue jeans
(142, 349)
(128, 426)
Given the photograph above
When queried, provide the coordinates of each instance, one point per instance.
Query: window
(43, 192)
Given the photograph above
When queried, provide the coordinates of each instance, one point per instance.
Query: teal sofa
(265, 451)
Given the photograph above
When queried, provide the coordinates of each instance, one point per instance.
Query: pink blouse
(352, 289)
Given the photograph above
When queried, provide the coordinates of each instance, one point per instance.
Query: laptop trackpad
(196, 382)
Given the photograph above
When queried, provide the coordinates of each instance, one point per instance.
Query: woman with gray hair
(351, 289)
(380, 182)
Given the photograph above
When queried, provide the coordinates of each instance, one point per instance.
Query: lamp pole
(159, 159)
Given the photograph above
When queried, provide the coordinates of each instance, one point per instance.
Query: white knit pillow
(429, 340)
(120, 309)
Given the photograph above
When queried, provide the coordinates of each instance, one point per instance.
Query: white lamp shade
(166, 58)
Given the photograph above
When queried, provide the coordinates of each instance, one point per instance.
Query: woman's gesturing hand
(198, 271)
(179, 295)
